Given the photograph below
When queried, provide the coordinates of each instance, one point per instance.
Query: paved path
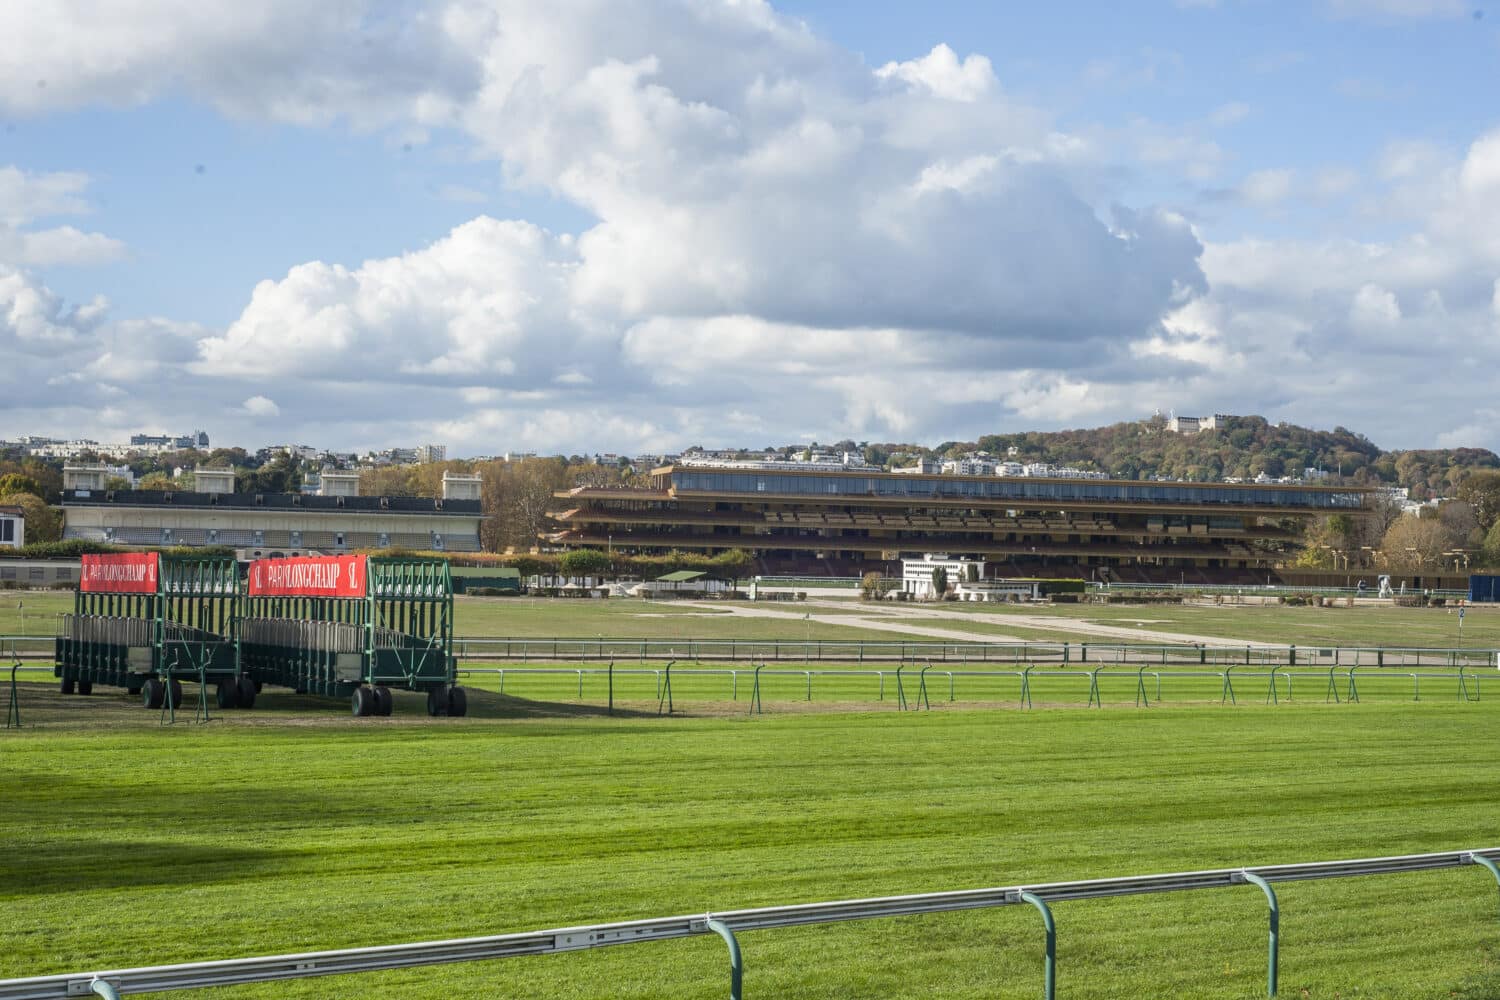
(903, 617)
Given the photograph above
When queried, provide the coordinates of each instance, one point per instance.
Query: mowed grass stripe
(129, 844)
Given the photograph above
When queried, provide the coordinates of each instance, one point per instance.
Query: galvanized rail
(726, 924)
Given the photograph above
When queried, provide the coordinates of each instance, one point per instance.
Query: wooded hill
(1243, 447)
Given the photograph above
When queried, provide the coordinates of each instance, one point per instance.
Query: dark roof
(268, 501)
(15, 511)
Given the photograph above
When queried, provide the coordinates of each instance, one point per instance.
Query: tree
(43, 524)
(583, 562)
(14, 482)
(1413, 544)
(733, 563)
(1492, 545)
(1481, 491)
(939, 581)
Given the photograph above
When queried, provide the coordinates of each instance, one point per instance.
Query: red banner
(314, 576)
(120, 573)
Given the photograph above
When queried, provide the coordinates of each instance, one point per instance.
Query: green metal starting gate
(353, 627)
(146, 621)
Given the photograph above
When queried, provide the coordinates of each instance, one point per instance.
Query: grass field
(293, 827)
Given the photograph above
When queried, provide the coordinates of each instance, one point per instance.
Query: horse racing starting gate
(143, 621)
(354, 627)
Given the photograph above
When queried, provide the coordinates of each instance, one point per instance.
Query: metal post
(1228, 691)
(1050, 986)
(611, 687)
(1353, 688)
(666, 691)
(900, 691)
(755, 706)
(1275, 931)
(1332, 688)
(1026, 685)
(922, 698)
(1271, 697)
(104, 989)
(1480, 859)
(736, 963)
(13, 713)
(1140, 688)
(1095, 699)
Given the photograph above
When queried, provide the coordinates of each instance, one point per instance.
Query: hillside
(1244, 447)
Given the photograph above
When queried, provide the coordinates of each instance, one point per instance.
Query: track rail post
(1050, 967)
(13, 712)
(1140, 688)
(1480, 859)
(1271, 696)
(1353, 696)
(1026, 685)
(1228, 693)
(736, 961)
(104, 988)
(664, 696)
(755, 706)
(922, 698)
(900, 690)
(1096, 700)
(1275, 928)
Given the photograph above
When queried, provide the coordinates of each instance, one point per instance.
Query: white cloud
(942, 74)
(1229, 114)
(27, 197)
(260, 406)
(1374, 306)
(1267, 187)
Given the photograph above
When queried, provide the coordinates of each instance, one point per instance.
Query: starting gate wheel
(384, 703)
(437, 701)
(247, 690)
(85, 687)
(226, 694)
(67, 685)
(133, 689)
(175, 687)
(363, 702)
(153, 692)
(458, 702)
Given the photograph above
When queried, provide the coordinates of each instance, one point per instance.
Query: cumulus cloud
(260, 406)
(941, 73)
(784, 240)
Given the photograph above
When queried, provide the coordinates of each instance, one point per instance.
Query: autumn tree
(43, 524)
(1481, 491)
(1413, 544)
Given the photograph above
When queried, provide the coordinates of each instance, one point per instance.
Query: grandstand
(842, 522)
(264, 525)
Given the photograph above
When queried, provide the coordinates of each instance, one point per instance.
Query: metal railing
(1331, 683)
(728, 924)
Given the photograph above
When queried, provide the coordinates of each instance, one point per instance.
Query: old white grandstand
(271, 524)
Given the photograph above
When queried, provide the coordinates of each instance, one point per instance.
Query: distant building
(432, 453)
(95, 477)
(1192, 425)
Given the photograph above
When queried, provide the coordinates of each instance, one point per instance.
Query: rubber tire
(153, 692)
(458, 702)
(225, 694)
(437, 702)
(384, 703)
(175, 686)
(85, 687)
(362, 702)
(67, 685)
(247, 689)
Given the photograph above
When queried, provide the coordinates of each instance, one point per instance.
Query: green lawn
(294, 827)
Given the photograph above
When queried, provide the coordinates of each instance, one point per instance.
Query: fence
(727, 925)
(914, 687)
(575, 650)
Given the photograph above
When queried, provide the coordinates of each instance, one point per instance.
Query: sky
(632, 226)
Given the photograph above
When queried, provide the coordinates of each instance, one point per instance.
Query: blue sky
(636, 226)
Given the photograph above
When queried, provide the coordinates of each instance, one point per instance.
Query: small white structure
(213, 480)
(916, 574)
(458, 486)
(94, 477)
(338, 483)
(12, 527)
